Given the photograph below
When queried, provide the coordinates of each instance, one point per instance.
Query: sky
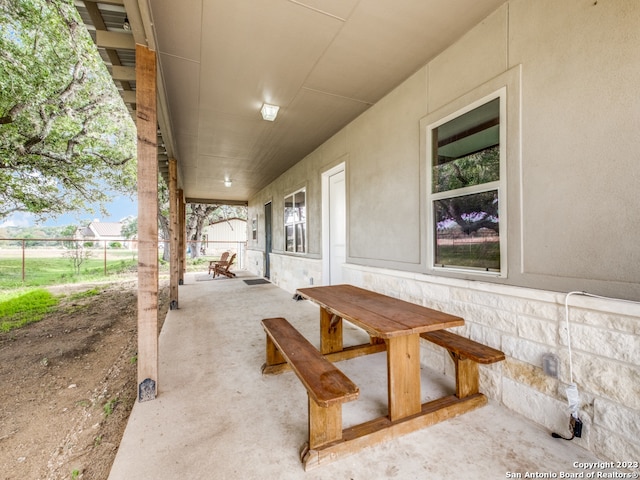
(118, 209)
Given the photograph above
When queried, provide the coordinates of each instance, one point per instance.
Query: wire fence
(46, 261)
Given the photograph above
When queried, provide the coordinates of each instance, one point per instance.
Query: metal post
(23, 245)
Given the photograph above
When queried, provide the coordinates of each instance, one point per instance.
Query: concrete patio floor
(217, 417)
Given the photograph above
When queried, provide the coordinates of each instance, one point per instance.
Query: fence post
(105, 258)
(23, 245)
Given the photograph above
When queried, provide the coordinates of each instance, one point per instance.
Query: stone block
(607, 378)
(530, 375)
(623, 421)
(491, 380)
(540, 331)
(540, 408)
(602, 319)
(496, 319)
(612, 447)
(525, 350)
(606, 343)
(541, 309)
(484, 335)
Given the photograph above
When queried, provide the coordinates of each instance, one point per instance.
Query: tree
(130, 224)
(68, 232)
(129, 227)
(66, 137)
(77, 255)
(470, 212)
(197, 215)
(163, 218)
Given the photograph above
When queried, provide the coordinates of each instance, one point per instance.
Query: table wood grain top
(380, 315)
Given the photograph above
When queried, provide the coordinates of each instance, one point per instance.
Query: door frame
(326, 236)
(268, 237)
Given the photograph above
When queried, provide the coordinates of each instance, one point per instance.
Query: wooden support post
(325, 424)
(403, 371)
(467, 378)
(174, 262)
(274, 357)
(330, 332)
(182, 225)
(147, 125)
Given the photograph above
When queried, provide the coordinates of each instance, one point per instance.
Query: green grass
(473, 255)
(109, 406)
(23, 307)
(86, 294)
(50, 271)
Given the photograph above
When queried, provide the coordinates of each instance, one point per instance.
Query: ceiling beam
(108, 2)
(210, 201)
(123, 73)
(138, 29)
(115, 40)
(98, 23)
(96, 16)
(128, 96)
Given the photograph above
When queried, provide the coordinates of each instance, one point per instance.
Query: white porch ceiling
(323, 62)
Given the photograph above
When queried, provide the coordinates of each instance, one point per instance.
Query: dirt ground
(68, 383)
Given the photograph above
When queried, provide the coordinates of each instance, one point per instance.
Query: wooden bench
(466, 355)
(327, 387)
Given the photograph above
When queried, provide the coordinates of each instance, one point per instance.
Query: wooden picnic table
(397, 323)
(394, 326)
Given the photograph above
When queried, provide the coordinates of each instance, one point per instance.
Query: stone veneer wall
(526, 324)
(291, 272)
(255, 262)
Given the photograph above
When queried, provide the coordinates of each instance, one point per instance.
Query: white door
(337, 227)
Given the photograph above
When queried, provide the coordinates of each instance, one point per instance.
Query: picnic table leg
(274, 357)
(467, 378)
(330, 332)
(403, 371)
(325, 424)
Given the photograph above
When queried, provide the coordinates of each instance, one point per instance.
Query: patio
(217, 417)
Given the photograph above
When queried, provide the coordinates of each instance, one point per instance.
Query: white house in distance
(98, 231)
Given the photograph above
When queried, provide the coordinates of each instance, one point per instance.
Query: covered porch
(363, 88)
(219, 417)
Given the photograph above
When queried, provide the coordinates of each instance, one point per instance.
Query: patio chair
(222, 260)
(223, 269)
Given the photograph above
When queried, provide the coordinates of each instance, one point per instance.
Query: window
(465, 187)
(295, 222)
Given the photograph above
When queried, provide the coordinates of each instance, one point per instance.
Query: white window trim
(500, 186)
(306, 245)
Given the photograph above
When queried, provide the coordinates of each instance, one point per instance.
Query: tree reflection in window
(465, 177)
(295, 221)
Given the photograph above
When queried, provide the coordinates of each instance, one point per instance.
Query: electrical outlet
(550, 365)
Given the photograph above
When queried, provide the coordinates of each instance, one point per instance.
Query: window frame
(295, 224)
(499, 185)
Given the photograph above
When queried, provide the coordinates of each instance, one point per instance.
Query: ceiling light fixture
(269, 112)
(227, 182)
(126, 25)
